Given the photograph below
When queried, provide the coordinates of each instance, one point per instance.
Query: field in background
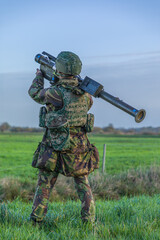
(122, 153)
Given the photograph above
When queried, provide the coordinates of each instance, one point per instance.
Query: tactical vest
(74, 111)
(73, 114)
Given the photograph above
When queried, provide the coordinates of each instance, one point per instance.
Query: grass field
(129, 218)
(122, 153)
(137, 218)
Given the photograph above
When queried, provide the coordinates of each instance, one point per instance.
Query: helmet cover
(68, 63)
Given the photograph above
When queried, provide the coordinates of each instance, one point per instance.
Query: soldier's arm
(44, 95)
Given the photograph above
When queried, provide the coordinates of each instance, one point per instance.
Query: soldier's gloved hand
(39, 72)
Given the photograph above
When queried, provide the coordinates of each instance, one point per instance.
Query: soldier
(65, 147)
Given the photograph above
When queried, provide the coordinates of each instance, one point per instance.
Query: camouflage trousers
(45, 185)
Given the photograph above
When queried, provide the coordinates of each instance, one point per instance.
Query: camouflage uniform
(77, 158)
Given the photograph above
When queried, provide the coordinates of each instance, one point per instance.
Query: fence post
(104, 158)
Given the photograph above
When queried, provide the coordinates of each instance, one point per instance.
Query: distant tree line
(130, 131)
(5, 127)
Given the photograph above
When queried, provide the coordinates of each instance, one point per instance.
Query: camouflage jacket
(80, 157)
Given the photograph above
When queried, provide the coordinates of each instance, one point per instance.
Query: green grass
(127, 152)
(122, 153)
(136, 218)
(16, 151)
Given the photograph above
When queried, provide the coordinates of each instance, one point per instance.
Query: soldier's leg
(46, 181)
(85, 195)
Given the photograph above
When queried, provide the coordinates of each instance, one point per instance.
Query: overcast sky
(118, 42)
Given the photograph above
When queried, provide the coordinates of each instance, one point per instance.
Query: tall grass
(131, 183)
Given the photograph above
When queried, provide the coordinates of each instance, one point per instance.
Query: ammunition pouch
(54, 120)
(42, 116)
(51, 120)
(59, 138)
(58, 131)
(44, 157)
(90, 123)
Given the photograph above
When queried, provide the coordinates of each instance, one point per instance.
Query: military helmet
(68, 63)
